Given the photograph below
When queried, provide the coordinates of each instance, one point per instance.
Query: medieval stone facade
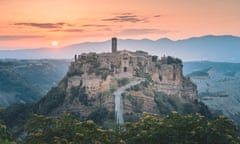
(92, 70)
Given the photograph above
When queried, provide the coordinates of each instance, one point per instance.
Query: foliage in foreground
(172, 129)
(5, 136)
(65, 130)
(179, 129)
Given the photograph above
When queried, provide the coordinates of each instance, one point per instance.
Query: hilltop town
(92, 71)
(93, 78)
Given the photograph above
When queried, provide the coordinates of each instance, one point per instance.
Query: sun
(54, 43)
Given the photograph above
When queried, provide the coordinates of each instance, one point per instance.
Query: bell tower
(114, 44)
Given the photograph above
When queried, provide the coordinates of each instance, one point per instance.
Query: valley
(25, 81)
(219, 89)
(217, 83)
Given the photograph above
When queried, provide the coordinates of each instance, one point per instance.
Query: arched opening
(124, 69)
(160, 77)
(174, 76)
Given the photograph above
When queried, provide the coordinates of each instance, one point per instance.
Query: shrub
(123, 81)
(53, 99)
(98, 115)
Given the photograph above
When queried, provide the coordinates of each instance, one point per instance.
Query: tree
(171, 129)
(181, 129)
(53, 99)
(65, 130)
(5, 136)
(99, 115)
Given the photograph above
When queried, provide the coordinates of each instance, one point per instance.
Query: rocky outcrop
(93, 78)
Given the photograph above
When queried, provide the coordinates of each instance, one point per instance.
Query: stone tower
(114, 44)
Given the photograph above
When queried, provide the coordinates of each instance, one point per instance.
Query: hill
(219, 90)
(24, 81)
(93, 81)
(125, 83)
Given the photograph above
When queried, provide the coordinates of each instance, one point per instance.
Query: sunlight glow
(54, 43)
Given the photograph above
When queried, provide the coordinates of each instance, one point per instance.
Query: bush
(171, 60)
(136, 103)
(17, 114)
(161, 100)
(98, 115)
(154, 58)
(181, 129)
(53, 99)
(123, 81)
(65, 130)
(5, 136)
(80, 93)
(150, 129)
(188, 108)
(103, 72)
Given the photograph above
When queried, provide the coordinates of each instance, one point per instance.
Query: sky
(37, 23)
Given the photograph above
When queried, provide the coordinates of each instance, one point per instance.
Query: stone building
(165, 72)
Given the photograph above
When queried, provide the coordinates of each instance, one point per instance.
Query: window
(125, 69)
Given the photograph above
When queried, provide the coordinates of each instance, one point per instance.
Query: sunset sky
(37, 23)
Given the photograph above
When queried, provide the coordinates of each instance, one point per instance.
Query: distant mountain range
(224, 48)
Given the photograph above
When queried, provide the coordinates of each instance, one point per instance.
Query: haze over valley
(26, 81)
(211, 48)
(218, 85)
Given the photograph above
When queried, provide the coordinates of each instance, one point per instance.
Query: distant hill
(198, 74)
(24, 81)
(218, 87)
(213, 48)
(220, 67)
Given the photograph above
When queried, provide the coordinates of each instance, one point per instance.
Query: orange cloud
(44, 25)
(16, 37)
(125, 17)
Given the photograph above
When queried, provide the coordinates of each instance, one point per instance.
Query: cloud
(94, 25)
(16, 37)
(157, 16)
(73, 30)
(143, 31)
(67, 30)
(44, 25)
(125, 17)
(53, 27)
(105, 29)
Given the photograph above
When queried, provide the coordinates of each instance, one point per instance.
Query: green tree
(65, 130)
(171, 129)
(98, 115)
(5, 136)
(123, 81)
(181, 129)
(53, 99)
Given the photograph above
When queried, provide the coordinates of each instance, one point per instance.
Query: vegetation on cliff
(171, 60)
(54, 98)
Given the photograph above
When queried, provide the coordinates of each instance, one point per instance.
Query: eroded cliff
(93, 78)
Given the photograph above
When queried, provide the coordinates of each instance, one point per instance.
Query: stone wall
(99, 75)
(165, 72)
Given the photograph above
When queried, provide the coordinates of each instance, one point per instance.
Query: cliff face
(92, 79)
